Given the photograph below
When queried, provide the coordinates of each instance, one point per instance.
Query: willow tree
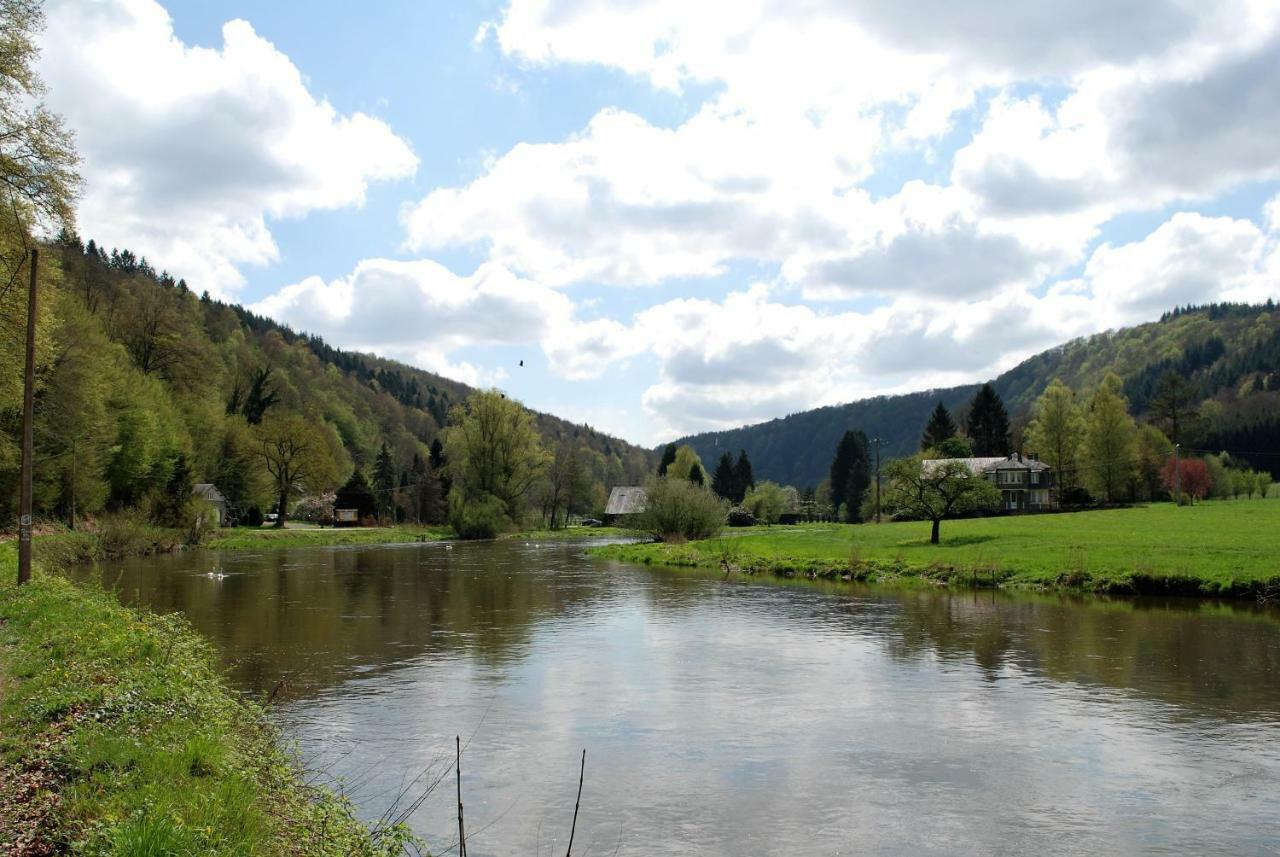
(493, 450)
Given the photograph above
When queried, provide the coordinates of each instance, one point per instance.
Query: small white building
(209, 493)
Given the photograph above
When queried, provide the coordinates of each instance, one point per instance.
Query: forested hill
(137, 373)
(1229, 352)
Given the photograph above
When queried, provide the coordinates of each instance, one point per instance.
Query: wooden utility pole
(28, 432)
(877, 443)
(1177, 473)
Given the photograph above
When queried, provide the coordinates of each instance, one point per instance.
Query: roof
(626, 500)
(208, 491)
(988, 464)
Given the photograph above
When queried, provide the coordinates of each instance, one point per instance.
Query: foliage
(1107, 451)
(355, 494)
(1190, 476)
(682, 465)
(38, 160)
(940, 428)
(677, 509)
(668, 458)
(298, 457)
(937, 490)
(952, 447)
(1056, 431)
(988, 423)
(768, 501)
(1174, 404)
(1151, 451)
(481, 516)
(493, 451)
(850, 474)
(567, 487)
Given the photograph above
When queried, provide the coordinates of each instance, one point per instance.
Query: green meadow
(1222, 548)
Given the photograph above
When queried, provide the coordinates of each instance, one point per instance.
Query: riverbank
(1217, 549)
(118, 735)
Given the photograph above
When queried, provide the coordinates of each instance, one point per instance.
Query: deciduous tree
(1107, 453)
(936, 490)
(493, 450)
(296, 455)
(1056, 432)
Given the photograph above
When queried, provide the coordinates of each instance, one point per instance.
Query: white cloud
(189, 151)
(1188, 259)
(421, 307)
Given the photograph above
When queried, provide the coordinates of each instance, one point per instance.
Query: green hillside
(142, 382)
(1230, 353)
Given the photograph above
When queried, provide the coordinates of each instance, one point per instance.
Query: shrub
(678, 509)
(740, 517)
(478, 517)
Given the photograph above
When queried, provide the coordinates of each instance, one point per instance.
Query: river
(746, 717)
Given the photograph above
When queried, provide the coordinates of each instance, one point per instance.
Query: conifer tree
(668, 458)
(744, 476)
(941, 427)
(724, 479)
(850, 474)
(988, 425)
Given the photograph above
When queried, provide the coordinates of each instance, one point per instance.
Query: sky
(685, 216)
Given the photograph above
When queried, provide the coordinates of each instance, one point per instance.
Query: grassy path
(1224, 548)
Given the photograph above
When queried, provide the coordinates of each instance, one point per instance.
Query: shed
(209, 493)
(625, 501)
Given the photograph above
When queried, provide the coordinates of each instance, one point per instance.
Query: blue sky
(684, 217)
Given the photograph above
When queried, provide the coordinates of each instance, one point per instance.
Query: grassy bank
(244, 538)
(119, 736)
(1215, 549)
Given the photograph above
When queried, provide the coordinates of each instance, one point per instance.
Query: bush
(740, 517)
(252, 517)
(130, 534)
(477, 518)
(678, 509)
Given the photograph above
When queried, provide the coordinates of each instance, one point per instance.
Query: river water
(747, 717)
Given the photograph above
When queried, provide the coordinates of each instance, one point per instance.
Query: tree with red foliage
(1196, 482)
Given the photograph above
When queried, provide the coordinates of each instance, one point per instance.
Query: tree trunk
(933, 536)
(280, 509)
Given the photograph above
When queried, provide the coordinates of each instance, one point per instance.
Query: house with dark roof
(625, 502)
(1026, 483)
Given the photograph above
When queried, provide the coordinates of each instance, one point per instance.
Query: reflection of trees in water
(318, 616)
(1197, 654)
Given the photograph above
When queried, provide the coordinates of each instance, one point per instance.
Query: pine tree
(850, 474)
(695, 474)
(668, 458)
(1056, 432)
(724, 480)
(988, 426)
(744, 476)
(941, 427)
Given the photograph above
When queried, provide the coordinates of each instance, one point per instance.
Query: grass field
(245, 538)
(1224, 548)
(118, 735)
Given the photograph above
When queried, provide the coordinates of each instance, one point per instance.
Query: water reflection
(737, 717)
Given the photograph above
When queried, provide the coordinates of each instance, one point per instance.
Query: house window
(1035, 477)
(1011, 501)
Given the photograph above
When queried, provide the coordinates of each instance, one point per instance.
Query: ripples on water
(726, 718)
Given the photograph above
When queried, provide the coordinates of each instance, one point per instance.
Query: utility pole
(1177, 472)
(877, 443)
(28, 432)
